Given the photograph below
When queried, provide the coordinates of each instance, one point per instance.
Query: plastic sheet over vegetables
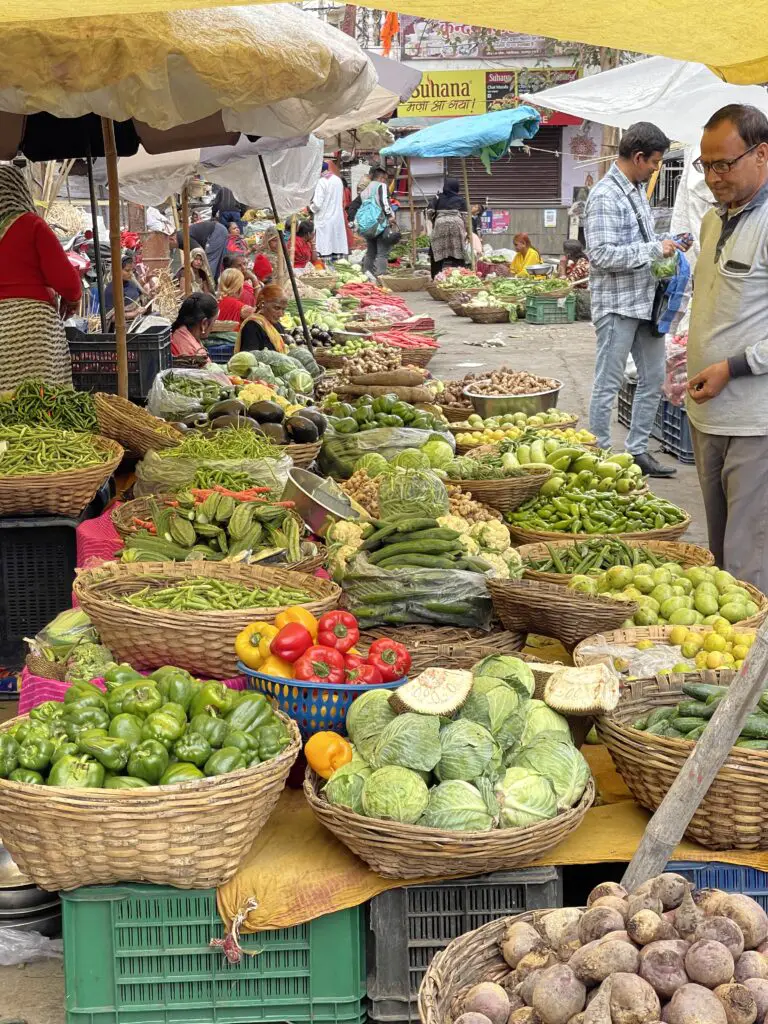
(408, 493)
(172, 405)
(340, 452)
(155, 475)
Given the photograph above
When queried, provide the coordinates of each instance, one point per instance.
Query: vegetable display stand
(409, 925)
(658, 634)
(566, 615)
(94, 360)
(686, 555)
(133, 427)
(447, 647)
(141, 954)
(203, 642)
(522, 536)
(192, 835)
(395, 850)
(546, 309)
(732, 814)
(511, 492)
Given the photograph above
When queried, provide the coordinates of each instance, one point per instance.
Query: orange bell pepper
(298, 614)
(326, 752)
(252, 643)
(274, 666)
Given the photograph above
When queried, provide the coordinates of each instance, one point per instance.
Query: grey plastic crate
(407, 926)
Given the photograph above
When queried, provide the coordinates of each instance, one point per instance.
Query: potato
(558, 995)
(632, 1000)
(472, 1018)
(599, 921)
(594, 962)
(763, 947)
(709, 963)
(721, 929)
(759, 989)
(750, 965)
(515, 1002)
(687, 917)
(615, 903)
(740, 1005)
(708, 900)
(695, 1004)
(489, 999)
(535, 962)
(525, 988)
(748, 915)
(606, 889)
(552, 927)
(662, 965)
(646, 927)
(524, 1016)
(519, 939)
(644, 901)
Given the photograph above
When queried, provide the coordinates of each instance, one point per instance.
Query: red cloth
(303, 254)
(184, 343)
(229, 308)
(33, 264)
(247, 294)
(262, 268)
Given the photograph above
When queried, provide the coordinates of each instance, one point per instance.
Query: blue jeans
(617, 336)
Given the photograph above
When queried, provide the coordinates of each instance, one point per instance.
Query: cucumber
(694, 709)
(409, 525)
(424, 561)
(695, 733)
(752, 744)
(755, 727)
(700, 691)
(659, 728)
(375, 539)
(763, 702)
(427, 547)
(641, 723)
(660, 715)
(686, 724)
(437, 534)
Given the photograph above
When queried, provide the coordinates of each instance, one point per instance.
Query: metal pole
(469, 212)
(288, 263)
(96, 243)
(121, 343)
(414, 255)
(185, 240)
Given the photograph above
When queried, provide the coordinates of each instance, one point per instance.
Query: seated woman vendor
(192, 324)
(263, 330)
(231, 304)
(526, 255)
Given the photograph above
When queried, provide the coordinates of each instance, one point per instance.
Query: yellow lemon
(643, 645)
(738, 665)
(681, 666)
(722, 626)
(744, 639)
(714, 642)
(700, 661)
(678, 635)
(728, 660)
(739, 652)
(714, 659)
(690, 650)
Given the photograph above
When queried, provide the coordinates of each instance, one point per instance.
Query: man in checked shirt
(622, 244)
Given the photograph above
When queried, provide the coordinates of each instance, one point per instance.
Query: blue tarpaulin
(488, 136)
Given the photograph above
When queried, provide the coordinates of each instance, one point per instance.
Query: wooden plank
(186, 240)
(118, 299)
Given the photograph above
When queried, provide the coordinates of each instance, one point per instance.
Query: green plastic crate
(540, 309)
(140, 954)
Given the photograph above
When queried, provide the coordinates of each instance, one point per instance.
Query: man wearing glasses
(728, 343)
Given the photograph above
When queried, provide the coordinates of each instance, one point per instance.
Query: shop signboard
(431, 40)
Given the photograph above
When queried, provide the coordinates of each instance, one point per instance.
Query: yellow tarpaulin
(298, 871)
(731, 37)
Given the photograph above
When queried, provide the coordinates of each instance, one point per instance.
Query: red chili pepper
(291, 642)
(390, 658)
(364, 675)
(339, 630)
(320, 665)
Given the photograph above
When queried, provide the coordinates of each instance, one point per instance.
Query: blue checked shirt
(620, 278)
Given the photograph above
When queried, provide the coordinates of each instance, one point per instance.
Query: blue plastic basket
(221, 352)
(728, 877)
(314, 707)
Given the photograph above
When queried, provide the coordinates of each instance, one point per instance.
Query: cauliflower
(339, 557)
(346, 533)
(454, 523)
(499, 567)
(491, 535)
(470, 545)
(514, 563)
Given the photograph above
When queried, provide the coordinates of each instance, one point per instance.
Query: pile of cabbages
(664, 952)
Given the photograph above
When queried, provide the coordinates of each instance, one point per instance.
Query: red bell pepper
(354, 661)
(390, 658)
(320, 665)
(291, 642)
(338, 630)
(364, 675)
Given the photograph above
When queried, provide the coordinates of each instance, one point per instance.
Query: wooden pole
(469, 212)
(118, 299)
(96, 241)
(293, 238)
(186, 240)
(414, 254)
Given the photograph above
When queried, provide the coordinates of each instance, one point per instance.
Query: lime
(734, 611)
(643, 583)
(683, 616)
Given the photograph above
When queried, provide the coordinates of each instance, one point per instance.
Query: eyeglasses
(721, 166)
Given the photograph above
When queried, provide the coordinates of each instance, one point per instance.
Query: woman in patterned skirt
(33, 270)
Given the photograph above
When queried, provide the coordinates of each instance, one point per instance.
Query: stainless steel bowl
(48, 922)
(10, 876)
(10, 914)
(498, 405)
(319, 511)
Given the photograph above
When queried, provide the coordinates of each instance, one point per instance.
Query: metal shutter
(518, 179)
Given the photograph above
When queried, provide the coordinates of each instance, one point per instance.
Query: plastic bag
(64, 633)
(169, 405)
(340, 452)
(676, 379)
(155, 475)
(632, 662)
(664, 268)
(18, 947)
(399, 597)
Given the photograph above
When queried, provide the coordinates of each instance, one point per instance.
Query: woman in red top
(33, 270)
(305, 245)
(231, 305)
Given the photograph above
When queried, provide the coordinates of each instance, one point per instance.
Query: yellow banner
(447, 94)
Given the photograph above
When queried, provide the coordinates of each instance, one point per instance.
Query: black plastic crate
(626, 399)
(407, 926)
(676, 439)
(94, 360)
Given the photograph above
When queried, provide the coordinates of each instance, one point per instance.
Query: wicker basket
(456, 413)
(488, 315)
(412, 851)
(66, 493)
(320, 279)
(404, 282)
(329, 362)
(192, 835)
(686, 555)
(633, 635)
(566, 615)
(508, 494)
(415, 356)
(437, 292)
(133, 427)
(303, 455)
(732, 814)
(201, 642)
(521, 536)
(445, 646)
(457, 306)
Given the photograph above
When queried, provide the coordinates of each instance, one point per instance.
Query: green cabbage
(373, 464)
(525, 798)
(301, 381)
(439, 452)
(410, 458)
(241, 363)
(541, 718)
(304, 356)
(553, 755)
(510, 670)
(466, 750)
(345, 786)
(414, 493)
(458, 806)
(395, 794)
(507, 715)
(281, 364)
(367, 717)
(410, 741)
(262, 372)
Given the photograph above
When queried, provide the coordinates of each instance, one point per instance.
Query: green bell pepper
(110, 751)
(385, 403)
(175, 685)
(125, 782)
(9, 762)
(127, 727)
(181, 772)
(143, 700)
(163, 726)
(148, 761)
(116, 697)
(403, 410)
(120, 674)
(211, 728)
(271, 739)
(85, 695)
(248, 745)
(48, 711)
(77, 719)
(176, 710)
(250, 712)
(65, 748)
(212, 696)
(221, 762)
(35, 755)
(27, 776)
(193, 748)
(346, 425)
(77, 773)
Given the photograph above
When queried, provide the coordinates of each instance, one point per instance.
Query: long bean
(204, 593)
(233, 443)
(592, 557)
(31, 450)
(52, 405)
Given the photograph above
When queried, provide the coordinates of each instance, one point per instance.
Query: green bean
(232, 443)
(27, 450)
(54, 405)
(203, 593)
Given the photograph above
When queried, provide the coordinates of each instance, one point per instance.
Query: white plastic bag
(18, 947)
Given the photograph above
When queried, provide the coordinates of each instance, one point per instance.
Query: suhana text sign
(446, 94)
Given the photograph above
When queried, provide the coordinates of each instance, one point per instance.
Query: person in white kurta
(328, 207)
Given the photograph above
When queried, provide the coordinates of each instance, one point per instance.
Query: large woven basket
(445, 646)
(192, 835)
(415, 356)
(456, 413)
(508, 494)
(201, 642)
(633, 635)
(686, 555)
(66, 493)
(137, 430)
(412, 851)
(732, 814)
(488, 315)
(437, 292)
(319, 279)
(521, 536)
(545, 608)
(404, 282)
(328, 361)
(303, 455)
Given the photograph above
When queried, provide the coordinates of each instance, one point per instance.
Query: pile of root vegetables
(664, 952)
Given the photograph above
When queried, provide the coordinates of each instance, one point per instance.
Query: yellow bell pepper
(252, 643)
(326, 752)
(298, 614)
(274, 666)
